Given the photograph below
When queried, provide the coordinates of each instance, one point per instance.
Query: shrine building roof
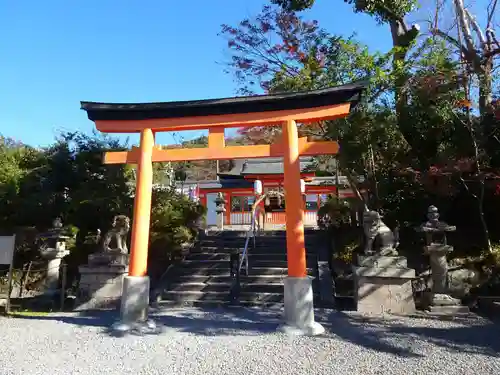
(265, 166)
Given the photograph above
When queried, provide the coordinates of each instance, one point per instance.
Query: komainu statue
(115, 240)
(379, 239)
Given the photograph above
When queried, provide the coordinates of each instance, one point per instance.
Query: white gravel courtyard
(244, 341)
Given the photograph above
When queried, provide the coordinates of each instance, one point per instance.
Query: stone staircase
(203, 278)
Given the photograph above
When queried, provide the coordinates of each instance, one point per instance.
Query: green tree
(411, 124)
(69, 180)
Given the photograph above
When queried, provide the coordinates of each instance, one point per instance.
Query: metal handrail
(253, 228)
(251, 231)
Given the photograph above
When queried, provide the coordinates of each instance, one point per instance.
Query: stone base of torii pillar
(299, 308)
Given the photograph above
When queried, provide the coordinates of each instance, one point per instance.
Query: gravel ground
(244, 341)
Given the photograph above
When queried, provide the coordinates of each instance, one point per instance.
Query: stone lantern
(437, 248)
(220, 209)
(53, 251)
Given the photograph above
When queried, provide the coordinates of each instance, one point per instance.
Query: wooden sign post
(7, 246)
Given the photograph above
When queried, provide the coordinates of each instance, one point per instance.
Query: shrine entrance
(216, 115)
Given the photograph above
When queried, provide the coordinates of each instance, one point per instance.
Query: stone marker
(437, 248)
(382, 279)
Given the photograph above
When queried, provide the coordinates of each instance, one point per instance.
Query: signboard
(7, 245)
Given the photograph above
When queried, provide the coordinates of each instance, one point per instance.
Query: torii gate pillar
(298, 292)
(135, 293)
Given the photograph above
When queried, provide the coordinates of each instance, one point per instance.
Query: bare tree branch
(477, 29)
(492, 53)
(464, 24)
(463, 49)
(491, 11)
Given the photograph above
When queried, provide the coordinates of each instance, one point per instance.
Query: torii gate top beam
(259, 110)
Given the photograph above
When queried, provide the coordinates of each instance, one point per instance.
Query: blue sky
(55, 53)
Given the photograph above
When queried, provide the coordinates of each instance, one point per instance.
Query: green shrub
(333, 213)
(174, 221)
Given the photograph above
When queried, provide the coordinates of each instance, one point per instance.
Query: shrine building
(237, 187)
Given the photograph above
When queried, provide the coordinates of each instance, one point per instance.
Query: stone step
(311, 262)
(234, 236)
(242, 239)
(225, 287)
(253, 263)
(209, 256)
(258, 244)
(177, 296)
(258, 250)
(280, 249)
(276, 257)
(253, 256)
(205, 272)
(210, 263)
(223, 298)
(204, 264)
(309, 233)
(258, 240)
(261, 279)
(260, 285)
(224, 271)
(215, 249)
(168, 304)
(230, 249)
(257, 271)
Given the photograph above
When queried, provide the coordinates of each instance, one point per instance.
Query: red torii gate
(216, 115)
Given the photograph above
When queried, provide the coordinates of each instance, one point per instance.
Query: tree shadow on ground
(468, 334)
(392, 336)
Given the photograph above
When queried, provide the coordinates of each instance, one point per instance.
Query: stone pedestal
(101, 281)
(383, 284)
